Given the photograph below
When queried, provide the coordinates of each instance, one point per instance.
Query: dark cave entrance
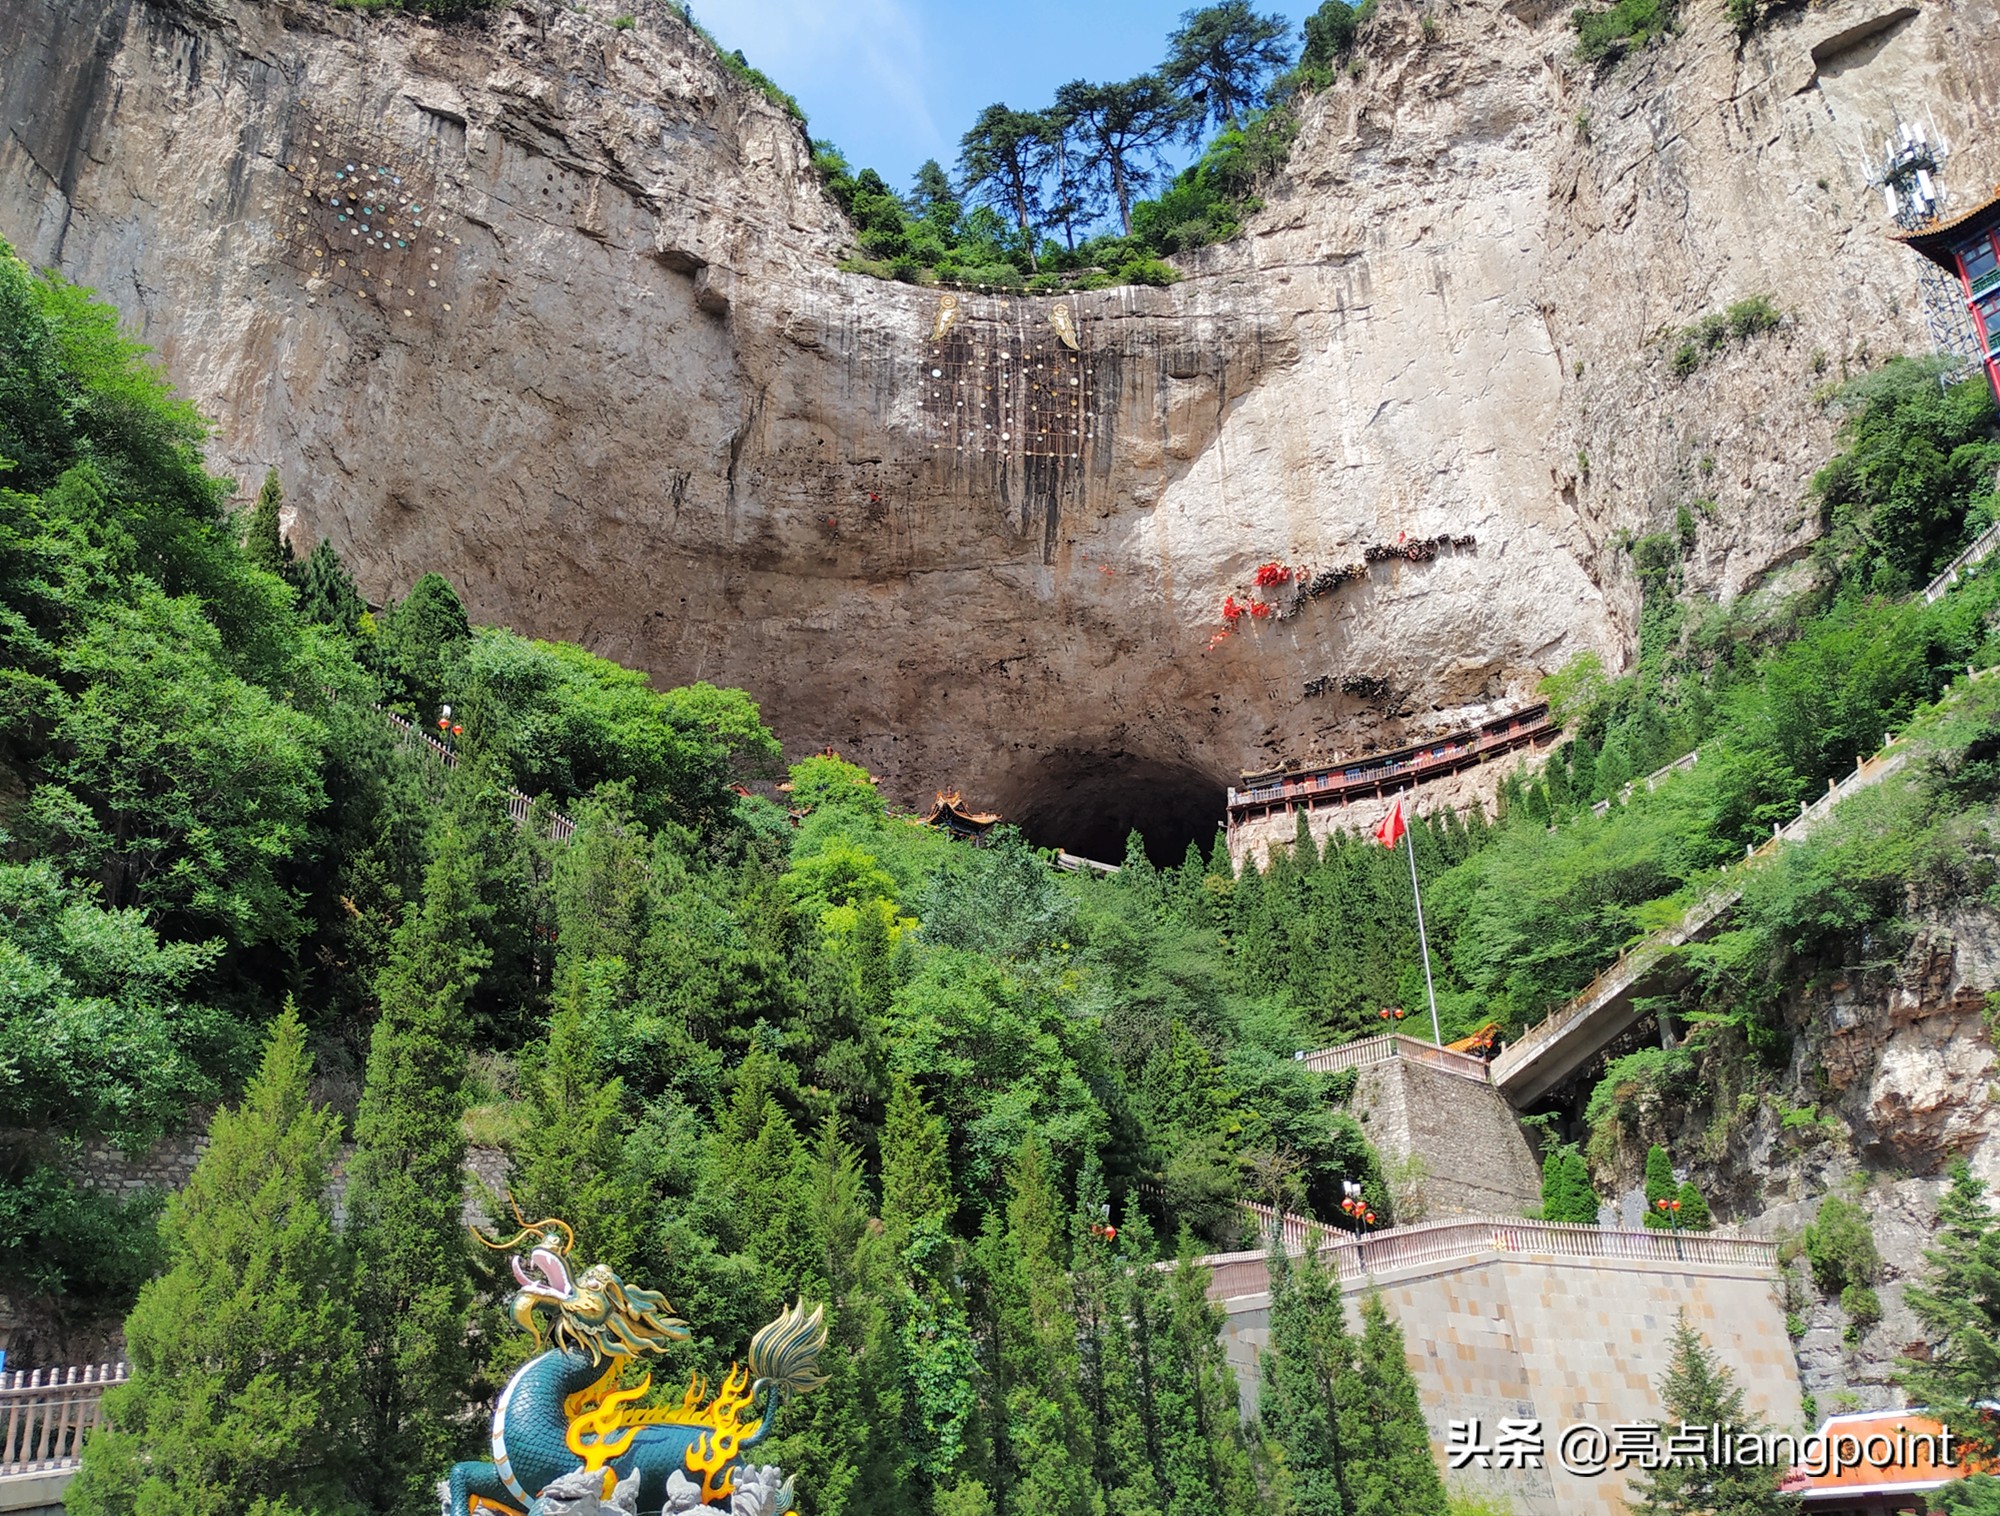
(1087, 803)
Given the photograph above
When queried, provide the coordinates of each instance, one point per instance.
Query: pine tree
(1660, 1185)
(264, 543)
(1698, 1391)
(1301, 1375)
(569, 1158)
(245, 1352)
(326, 590)
(406, 1184)
(1391, 1472)
(1958, 1301)
(1566, 1191)
(1042, 1442)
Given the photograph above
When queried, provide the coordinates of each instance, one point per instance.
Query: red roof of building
(1885, 1453)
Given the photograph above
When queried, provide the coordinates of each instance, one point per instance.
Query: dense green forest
(755, 1050)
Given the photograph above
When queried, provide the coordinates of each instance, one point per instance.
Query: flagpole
(1410, 836)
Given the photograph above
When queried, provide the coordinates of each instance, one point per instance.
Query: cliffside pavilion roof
(1938, 241)
(953, 815)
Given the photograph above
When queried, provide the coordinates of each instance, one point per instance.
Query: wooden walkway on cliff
(1381, 774)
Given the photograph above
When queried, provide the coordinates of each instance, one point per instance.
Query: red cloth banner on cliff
(1391, 831)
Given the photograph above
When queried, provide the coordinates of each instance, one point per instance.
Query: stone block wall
(1564, 1341)
(166, 1165)
(1475, 1157)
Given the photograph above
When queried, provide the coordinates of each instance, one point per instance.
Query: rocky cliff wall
(1891, 1079)
(601, 369)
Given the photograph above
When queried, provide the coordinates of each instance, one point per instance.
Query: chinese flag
(1390, 832)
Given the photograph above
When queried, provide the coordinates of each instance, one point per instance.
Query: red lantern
(1675, 1206)
(1370, 1218)
(1385, 1013)
(1660, 1205)
(1111, 1234)
(442, 723)
(457, 731)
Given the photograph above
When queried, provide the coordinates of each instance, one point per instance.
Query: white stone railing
(1362, 1053)
(1651, 781)
(44, 1414)
(1982, 546)
(1358, 1259)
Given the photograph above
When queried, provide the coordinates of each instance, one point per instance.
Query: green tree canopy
(245, 1353)
(1219, 59)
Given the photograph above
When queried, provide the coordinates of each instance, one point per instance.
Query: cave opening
(1088, 803)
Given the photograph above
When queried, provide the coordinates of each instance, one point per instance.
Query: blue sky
(893, 82)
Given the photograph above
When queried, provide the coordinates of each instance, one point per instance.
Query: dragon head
(596, 1313)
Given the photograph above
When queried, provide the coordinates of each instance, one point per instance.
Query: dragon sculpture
(565, 1411)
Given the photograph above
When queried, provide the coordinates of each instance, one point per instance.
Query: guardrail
(1388, 1046)
(1651, 781)
(44, 1414)
(1437, 758)
(1981, 547)
(519, 806)
(1355, 1259)
(1642, 956)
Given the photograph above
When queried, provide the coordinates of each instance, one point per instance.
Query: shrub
(1604, 36)
(1840, 1246)
(1747, 318)
(1862, 1305)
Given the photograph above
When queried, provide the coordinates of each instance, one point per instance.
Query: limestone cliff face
(588, 353)
(1891, 1078)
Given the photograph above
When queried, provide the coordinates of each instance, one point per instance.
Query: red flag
(1391, 831)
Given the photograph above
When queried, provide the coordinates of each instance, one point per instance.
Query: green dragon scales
(564, 1411)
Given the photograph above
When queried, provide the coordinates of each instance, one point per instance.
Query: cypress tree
(417, 647)
(1121, 1460)
(1301, 1376)
(1695, 1216)
(244, 1353)
(757, 1157)
(326, 590)
(1698, 1390)
(1958, 1301)
(1660, 1185)
(916, 1182)
(1204, 1460)
(263, 542)
(406, 1184)
(934, 1336)
(1391, 1472)
(1566, 1191)
(569, 1157)
(1043, 1448)
(843, 1442)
